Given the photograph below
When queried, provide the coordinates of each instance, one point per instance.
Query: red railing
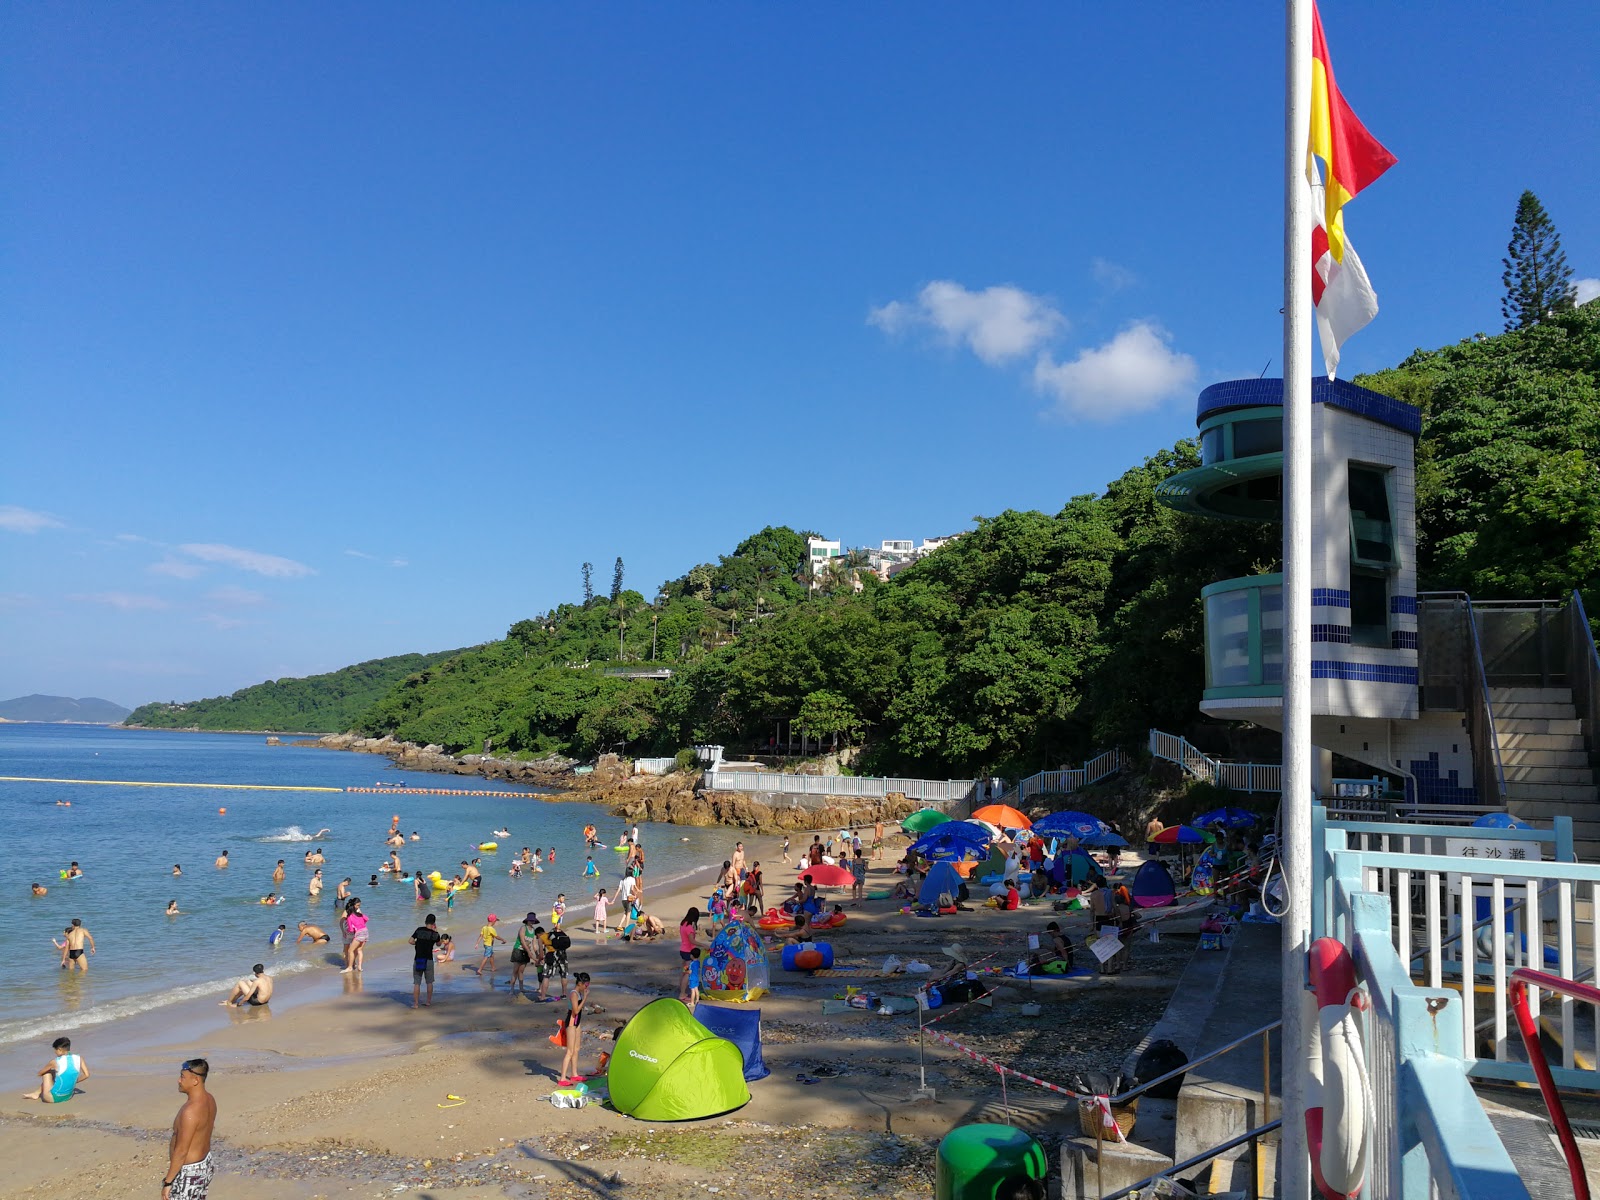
(1522, 979)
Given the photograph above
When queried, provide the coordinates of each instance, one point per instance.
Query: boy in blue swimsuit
(61, 1077)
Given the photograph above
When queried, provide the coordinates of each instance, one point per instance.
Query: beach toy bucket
(974, 1159)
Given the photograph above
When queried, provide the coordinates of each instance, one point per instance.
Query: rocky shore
(675, 799)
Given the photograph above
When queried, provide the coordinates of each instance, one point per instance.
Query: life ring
(831, 921)
(774, 920)
(1339, 1096)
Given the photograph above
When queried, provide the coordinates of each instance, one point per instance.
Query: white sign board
(1105, 947)
(1486, 855)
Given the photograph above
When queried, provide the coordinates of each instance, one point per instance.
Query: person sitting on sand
(61, 1075)
(312, 933)
(906, 890)
(445, 951)
(254, 990)
(1054, 947)
(802, 931)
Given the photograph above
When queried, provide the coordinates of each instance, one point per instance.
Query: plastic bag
(918, 968)
(892, 964)
(568, 1098)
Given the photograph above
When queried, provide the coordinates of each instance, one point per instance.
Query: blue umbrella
(1105, 838)
(1228, 818)
(1074, 824)
(954, 840)
(1500, 821)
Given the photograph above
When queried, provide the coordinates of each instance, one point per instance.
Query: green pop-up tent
(668, 1067)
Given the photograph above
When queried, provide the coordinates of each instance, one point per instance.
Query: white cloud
(1132, 373)
(1111, 276)
(123, 601)
(1588, 289)
(247, 560)
(237, 596)
(26, 520)
(997, 324)
(218, 621)
(393, 562)
(177, 568)
(399, 562)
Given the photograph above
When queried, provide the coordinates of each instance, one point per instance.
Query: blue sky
(334, 334)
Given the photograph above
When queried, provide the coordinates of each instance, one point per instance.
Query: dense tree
(1537, 280)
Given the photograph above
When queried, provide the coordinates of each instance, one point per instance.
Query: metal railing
(1526, 982)
(1240, 777)
(654, 766)
(1583, 671)
(1253, 1136)
(1430, 1134)
(926, 791)
(1453, 676)
(1068, 779)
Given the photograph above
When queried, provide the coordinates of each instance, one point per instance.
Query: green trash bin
(974, 1160)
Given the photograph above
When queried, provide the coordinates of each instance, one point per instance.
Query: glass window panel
(1257, 437)
(1211, 446)
(1228, 639)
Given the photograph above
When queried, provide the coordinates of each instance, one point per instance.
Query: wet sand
(340, 1088)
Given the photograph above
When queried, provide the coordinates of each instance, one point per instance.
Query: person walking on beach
(61, 1075)
(600, 905)
(574, 1027)
(688, 934)
(737, 861)
(425, 938)
(522, 951)
(355, 923)
(77, 936)
(490, 936)
(754, 889)
(188, 1174)
(858, 878)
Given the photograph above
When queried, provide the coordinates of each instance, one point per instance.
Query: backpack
(559, 941)
(946, 900)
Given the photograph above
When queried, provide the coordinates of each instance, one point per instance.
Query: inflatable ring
(488, 845)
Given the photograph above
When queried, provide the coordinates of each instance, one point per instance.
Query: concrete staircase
(1547, 767)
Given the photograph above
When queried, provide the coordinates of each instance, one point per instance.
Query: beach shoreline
(339, 1087)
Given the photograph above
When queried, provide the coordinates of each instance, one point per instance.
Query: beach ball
(222, 812)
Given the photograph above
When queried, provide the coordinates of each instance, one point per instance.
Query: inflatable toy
(830, 921)
(773, 919)
(808, 956)
(488, 845)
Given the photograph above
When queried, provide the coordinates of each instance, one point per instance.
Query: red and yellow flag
(1351, 156)
(1351, 159)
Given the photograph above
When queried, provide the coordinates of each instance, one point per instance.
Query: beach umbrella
(1069, 824)
(924, 819)
(1500, 821)
(824, 875)
(1228, 818)
(1104, 839)
(1181, 835)
(955, 840)
(1003, 815)
(988, 827)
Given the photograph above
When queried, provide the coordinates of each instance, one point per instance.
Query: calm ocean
(126, 839)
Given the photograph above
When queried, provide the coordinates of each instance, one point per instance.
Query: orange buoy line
(232, 787)
(417, 791)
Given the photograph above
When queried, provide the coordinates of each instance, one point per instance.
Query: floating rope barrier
(229, 787)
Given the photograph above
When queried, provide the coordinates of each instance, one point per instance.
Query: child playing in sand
(61, 1076)
(559, 909)
(692, 983)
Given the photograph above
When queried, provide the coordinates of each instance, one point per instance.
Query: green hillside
(329, 703)
(1032, 640)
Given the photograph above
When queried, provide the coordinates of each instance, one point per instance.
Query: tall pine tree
(616, 580)
(1537, 279)
(588, 583)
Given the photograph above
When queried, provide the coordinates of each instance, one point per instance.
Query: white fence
(1067, 780)
(1240, 777)
(653, 766)
(927, 791)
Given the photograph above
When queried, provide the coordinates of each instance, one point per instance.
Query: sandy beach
(340, 1088)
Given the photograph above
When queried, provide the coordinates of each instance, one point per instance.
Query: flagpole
(1293, 1157)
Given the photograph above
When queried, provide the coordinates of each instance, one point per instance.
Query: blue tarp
(942, 877)
(742, 1027)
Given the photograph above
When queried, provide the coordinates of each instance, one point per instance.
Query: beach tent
(742, 1027)
(942, 877)
(1153, 886)
(667, 1066)
(1071, 869)
(736, 967)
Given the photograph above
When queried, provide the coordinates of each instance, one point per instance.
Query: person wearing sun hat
(522, 951)
(490, 936)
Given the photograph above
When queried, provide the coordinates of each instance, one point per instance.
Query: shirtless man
(188, 1173)
(277, 872)
(315, 857)
(470, 873)
(313, 932)
(737, 861)
(222, 859)
(255, 990)
(39, 889)
(394, 862)
(314, 887)
(395, 839)
(76, 936)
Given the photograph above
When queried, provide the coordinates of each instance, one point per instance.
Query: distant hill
(316, 704)
(88, 711)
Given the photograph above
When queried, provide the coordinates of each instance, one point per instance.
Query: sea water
(127, 839)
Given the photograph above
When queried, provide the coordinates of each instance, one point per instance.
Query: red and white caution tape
(1104, 1102)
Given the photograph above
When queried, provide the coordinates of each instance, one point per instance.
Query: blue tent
(1071, 869)
(742, 1027)
(942, 877)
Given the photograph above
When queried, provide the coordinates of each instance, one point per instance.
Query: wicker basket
(1090, 1114)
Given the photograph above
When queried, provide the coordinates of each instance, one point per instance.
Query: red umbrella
(826, 876)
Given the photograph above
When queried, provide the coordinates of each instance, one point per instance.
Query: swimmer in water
(74, 871)
(277, 872)
(269, 898)
(172, 909)
(415, 836)
(39, 889)
(502, 833)
(342, 892)
(176, 869)
(277, 935)
(222, 859)
(373, 882)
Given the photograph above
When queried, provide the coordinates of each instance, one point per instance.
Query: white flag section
(1348, 302)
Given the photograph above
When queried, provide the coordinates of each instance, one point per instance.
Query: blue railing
(1430, 1135)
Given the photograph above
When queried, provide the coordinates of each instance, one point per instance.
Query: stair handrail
(1485, 741)
(1584, 674)
(1265, 1032)
(1253, 1136)
(1107, 762)
(1521, 980)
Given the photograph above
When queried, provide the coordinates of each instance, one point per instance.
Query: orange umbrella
(1002, 815)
